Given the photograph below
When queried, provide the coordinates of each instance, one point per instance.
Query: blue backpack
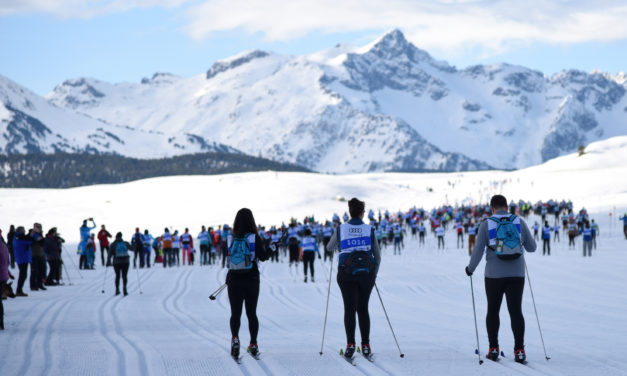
(240, 256)
(121, 249)
(506, 234)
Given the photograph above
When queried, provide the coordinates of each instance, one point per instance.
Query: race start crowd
(299, 241)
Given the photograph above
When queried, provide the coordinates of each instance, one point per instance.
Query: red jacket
(102, 238)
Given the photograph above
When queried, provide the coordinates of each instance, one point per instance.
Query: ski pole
(138, 282)
(66, 273)
(323, 267)
(73, 263)
(104, 280)
(326, 311)
(536, 311)
(389, 323)
(217, 292)
(474, 311)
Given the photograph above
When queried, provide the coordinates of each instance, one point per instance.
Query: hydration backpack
(358, 263)
(504, 234)
(240, 255)
(121, 249)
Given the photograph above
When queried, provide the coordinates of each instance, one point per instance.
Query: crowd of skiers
(241, 247)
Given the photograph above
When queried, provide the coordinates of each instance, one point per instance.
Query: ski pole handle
(217, 292)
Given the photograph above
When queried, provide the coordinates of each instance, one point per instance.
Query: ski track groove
(32, 334)
(174, 293)
(48, 337)
(177, 307)
(121, 358)
(141, 356)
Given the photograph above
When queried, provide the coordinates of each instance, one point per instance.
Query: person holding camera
(82, 246)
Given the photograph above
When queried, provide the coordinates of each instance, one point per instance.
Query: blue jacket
(21, 248)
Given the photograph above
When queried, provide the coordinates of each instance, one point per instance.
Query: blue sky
(115, 40)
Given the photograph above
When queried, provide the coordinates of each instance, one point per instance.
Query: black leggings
(123, 270)
(23, 268)
(513, 288)
(356, 294)
(308, 259)
(244, 291)
(546, 246)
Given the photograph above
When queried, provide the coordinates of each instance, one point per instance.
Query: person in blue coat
(85, 232)
(23, 256)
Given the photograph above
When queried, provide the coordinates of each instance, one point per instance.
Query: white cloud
(449, 26)
(80, 8)
(436, 24)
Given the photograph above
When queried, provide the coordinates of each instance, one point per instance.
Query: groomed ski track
(174, 329)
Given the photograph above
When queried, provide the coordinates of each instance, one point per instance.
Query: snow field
(174, 329)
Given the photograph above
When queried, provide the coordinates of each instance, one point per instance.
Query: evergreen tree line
(65, 170)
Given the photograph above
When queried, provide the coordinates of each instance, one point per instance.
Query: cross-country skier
(137, 246)
(203, 240)
(439, 232)
(245, 250)
(293, 244)
(546, 239)
(187, 245)
(460, 234)
(624, 219)
(472, 232)
(310, 248)
(503, 276)
(595, 233)
(166, 242)
(358, 264)
(147, 240)
(121, 262)
(587, 233)
(556, 233)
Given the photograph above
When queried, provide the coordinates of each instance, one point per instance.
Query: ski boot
(117, 292)
(313, 280)
(253, 349)
(520, 356)
(366, 351)
(350, 351)
(125, 292)
(305, 279)
(235, 347)
(493, 354)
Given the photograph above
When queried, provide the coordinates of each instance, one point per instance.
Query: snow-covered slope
(596, 180)
(385, 106)
(30, 124)
(173, 329)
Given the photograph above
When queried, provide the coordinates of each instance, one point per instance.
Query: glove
(468, 272)
(319, 257)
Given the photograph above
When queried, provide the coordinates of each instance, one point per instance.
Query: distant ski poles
(66, 273)
(73, 263)
(217, 292)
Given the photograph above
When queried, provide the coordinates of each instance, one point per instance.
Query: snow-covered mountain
(385, 106)
(31, 124)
